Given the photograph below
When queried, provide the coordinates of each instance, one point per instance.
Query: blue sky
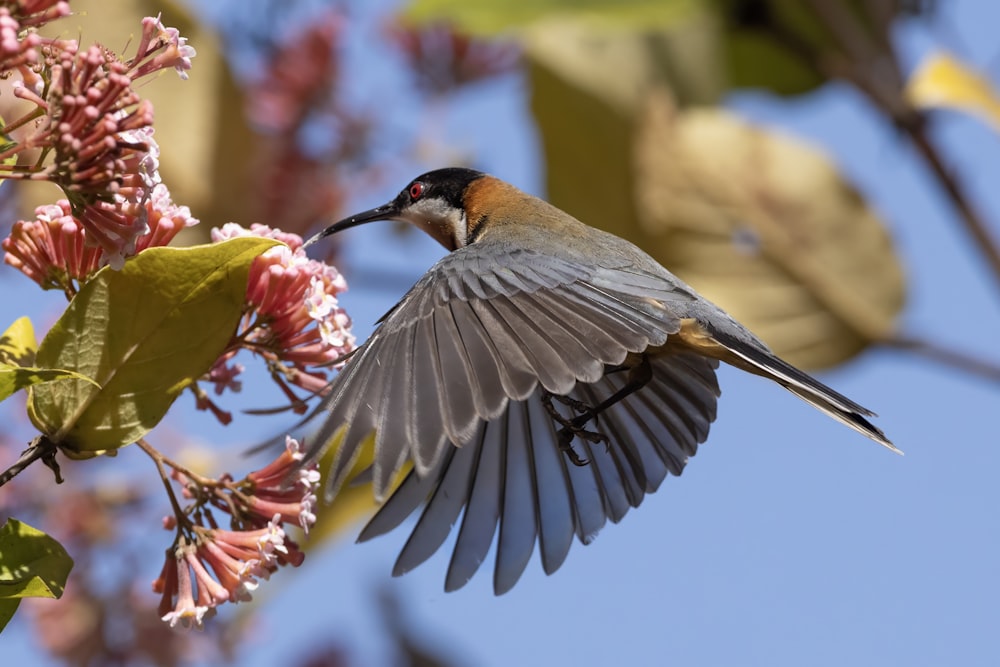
(789, 540)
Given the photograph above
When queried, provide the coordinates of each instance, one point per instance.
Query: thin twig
(970, 219)
(159, 460)
(881, 82)
(41, 448)
(946, 356)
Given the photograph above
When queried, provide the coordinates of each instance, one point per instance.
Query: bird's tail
(815, 393)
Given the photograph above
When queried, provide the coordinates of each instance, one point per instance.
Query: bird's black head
(433, 202)
(447, 185)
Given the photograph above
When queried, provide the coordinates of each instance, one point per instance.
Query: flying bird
(541, 378)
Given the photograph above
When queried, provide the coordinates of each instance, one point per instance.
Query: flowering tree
(145, 322)
(706, 192)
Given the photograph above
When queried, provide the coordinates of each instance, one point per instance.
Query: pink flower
(56, 249)
(52, 250)
(159, 48)
(285, 488)
(224, 567)
(16, 49)
(210, 565)
(19, 46)
(178, 604)
(223, 374)
(38, 12)
(294, 320)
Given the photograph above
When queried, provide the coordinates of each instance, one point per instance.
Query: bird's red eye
(416, 190)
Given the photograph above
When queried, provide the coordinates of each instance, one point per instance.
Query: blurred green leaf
(787, 46)
(764, 44)
(32, 564)
(144, 333)
(488, 17)
(587, 88)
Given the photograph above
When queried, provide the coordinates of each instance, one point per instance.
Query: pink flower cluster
(55, 249)
(444, 60)
(18, 44)
(209, 566)
(293, 319)
(92, 128)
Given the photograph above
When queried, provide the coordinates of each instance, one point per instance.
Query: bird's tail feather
(812, 391)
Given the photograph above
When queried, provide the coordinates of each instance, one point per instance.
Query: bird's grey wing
(512, 476)
(487, 324)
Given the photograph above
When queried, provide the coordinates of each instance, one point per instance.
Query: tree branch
(956, 359)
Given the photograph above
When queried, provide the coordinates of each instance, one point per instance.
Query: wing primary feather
(518, 527)
(482, 511)
(627, 471)
(441, 511)
(390, 430)
(425, 445)
(554, 505)
(623, 423)
(403, 502)
(356, 416)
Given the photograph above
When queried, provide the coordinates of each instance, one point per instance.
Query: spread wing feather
(484, 327)
(513, 476)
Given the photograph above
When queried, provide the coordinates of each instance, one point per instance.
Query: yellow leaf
(764, 226)
(943, 81)
(18, 344)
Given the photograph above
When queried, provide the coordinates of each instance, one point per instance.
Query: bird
(538, 381)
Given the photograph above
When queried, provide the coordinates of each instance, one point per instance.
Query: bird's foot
(573, 427)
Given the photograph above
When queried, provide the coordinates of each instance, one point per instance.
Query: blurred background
(825, 170)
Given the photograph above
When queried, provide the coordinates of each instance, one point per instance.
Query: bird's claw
(573, 427)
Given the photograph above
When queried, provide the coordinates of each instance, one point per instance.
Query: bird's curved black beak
(384, 212)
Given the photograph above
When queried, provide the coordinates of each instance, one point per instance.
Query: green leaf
(144, 334)
(588, 86)
(17, 353)
(32, 564)
(780, 45)
(18, 344)
(487, 17)
(15, 378)
(756, 57)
